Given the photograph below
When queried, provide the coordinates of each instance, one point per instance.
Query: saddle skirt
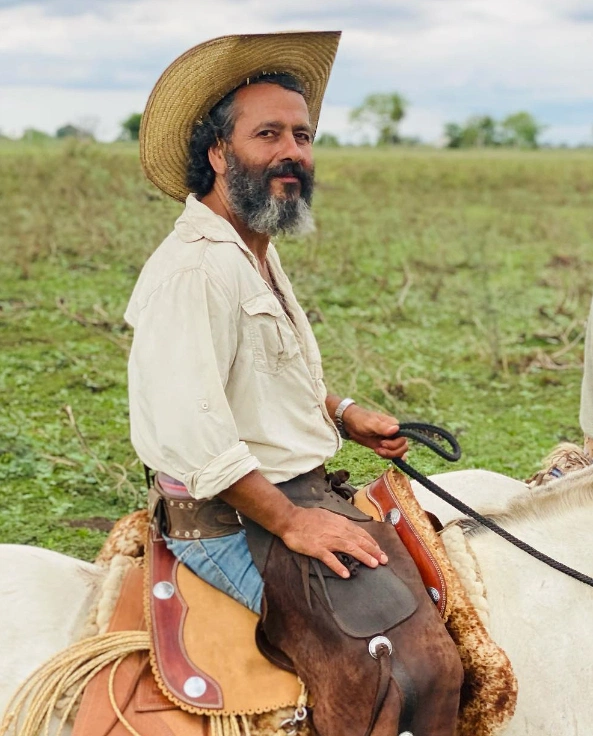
(204, 655)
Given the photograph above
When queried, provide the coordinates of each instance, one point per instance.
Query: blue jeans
(225, 563)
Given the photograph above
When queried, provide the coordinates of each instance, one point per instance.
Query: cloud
(48, 108)
(450, 59)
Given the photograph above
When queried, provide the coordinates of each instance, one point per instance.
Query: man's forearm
(258, 499)
(315, 532)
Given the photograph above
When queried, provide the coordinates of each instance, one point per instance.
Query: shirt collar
(198, 221)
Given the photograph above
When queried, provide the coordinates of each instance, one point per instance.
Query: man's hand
(319, 533)
(313, 532)
(372, 429)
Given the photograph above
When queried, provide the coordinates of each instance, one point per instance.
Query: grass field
(443, 286)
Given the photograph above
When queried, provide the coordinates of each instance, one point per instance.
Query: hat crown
(189, 88)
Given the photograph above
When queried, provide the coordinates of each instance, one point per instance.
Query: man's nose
(291, 151)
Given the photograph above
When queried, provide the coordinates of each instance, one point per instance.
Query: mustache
(289, 168)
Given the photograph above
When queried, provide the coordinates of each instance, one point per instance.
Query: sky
(93, 62)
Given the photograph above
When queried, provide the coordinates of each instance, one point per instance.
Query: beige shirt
(221, 380)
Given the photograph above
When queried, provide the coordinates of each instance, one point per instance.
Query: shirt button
(205, 406)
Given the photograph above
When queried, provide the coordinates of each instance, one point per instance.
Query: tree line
(380, 115)
(130, 129)
(383, 113)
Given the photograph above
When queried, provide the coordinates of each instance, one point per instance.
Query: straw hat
(191, 86)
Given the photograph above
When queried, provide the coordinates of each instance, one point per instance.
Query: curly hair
(218, 125)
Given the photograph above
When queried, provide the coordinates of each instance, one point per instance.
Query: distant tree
(479, 131)
(130, 128)
(521, 130)
(453, 135)
(327, 140)
(31, 135)
(410, 141)
(383, 112)
(74, 131)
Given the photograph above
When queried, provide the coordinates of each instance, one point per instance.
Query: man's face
(270, 160)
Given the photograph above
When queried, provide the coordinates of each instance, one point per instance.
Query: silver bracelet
(339, 422)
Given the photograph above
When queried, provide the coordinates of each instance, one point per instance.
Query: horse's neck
(540, 617)
(519, 585)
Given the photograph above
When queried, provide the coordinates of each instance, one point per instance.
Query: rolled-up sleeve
(185, 339)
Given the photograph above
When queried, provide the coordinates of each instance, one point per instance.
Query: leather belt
(181, 516)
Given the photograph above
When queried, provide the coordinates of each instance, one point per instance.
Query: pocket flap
(263, 304)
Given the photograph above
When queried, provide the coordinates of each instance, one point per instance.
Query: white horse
(538, 615)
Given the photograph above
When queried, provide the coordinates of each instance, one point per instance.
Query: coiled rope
(30, 711)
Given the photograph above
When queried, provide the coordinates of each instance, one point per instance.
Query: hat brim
(202, 76)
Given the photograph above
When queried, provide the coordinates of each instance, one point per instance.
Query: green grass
(443, 286)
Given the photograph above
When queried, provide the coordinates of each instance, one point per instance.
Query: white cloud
(48, 108)
(450, 58)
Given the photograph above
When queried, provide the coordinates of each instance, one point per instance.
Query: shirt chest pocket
(267, 330)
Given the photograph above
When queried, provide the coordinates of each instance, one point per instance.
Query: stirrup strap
(393, 670)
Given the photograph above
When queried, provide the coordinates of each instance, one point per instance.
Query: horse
(537, 614)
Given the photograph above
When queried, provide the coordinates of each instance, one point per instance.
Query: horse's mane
(556, 497)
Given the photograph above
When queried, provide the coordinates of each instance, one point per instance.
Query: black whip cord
(425, 434)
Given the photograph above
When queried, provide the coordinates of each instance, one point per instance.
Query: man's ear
(217, 158)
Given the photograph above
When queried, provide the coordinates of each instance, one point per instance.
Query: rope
(304, 695)
(120, 716)
(228, 726)
(425, 434)
(410, 431)
(300, 713)
(97, 620)
(73, 667)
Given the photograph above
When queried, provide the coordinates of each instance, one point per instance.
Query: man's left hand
(374, 430)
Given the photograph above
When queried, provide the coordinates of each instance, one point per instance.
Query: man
(226, 387)
(227, 396)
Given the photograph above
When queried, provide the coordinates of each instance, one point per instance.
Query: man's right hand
(320, 533)
(311, 531)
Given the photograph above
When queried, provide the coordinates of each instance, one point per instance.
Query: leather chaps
(372, 649)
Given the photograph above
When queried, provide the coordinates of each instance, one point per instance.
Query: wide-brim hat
(190, 87)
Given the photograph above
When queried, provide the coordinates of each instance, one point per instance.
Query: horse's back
(480, 489)
(45, 597)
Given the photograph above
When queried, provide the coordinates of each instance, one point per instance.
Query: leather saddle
(172, 596)
(204, 659)
(374, 604)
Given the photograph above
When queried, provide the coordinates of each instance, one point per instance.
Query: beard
(251, 200)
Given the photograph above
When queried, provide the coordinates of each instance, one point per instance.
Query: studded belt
(181, 516)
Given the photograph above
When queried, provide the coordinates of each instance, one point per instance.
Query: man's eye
(303, 137)
(265, 133)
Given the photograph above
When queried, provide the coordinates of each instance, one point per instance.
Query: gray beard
(261, 211)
